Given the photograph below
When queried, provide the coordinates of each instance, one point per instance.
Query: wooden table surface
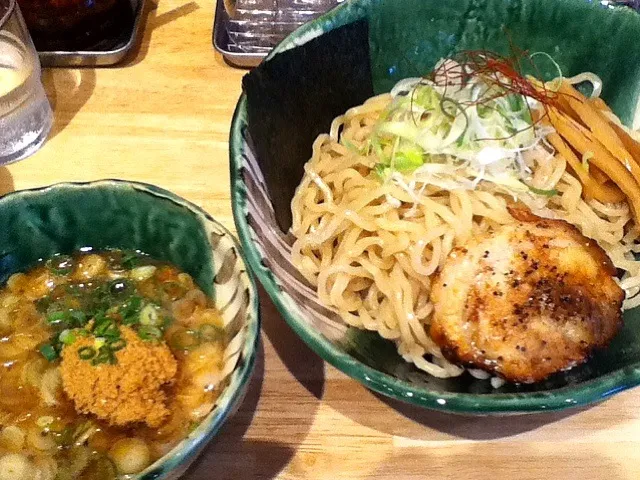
(163, 117)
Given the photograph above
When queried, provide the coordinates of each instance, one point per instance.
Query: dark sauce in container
(73, 25)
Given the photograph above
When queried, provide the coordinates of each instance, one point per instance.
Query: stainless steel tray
(247, 35)
(221, 41)
(97, 58)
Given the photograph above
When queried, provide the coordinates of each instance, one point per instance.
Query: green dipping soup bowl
(63, 218)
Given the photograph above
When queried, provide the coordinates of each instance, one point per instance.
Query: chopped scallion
(60, 264)
(106, 328)
(381, 170)
(49, 352)
(149, 332)
(209, 333)
(78, 317)
(130, 260)
(408, 160)
(546, 193)
(185, 340)
(130, 310)
(117, 345)
(149, 315)
(57, 317)
(105, 355)
(86, 353)
(67, 337)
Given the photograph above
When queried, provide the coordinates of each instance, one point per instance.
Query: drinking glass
(25, 113)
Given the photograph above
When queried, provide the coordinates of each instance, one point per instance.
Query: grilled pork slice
(533, 298)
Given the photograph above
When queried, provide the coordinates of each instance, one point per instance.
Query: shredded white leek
(454, 135)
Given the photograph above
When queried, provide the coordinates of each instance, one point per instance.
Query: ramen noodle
(401, 180)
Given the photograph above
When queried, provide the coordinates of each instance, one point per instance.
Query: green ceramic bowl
(404, 38)
(65, 217)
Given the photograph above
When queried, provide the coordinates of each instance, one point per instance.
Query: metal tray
(221, 41)
(97, 58)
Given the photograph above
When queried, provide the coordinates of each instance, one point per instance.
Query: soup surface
(107, 360)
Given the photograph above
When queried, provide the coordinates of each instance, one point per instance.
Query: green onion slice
(118, 344)
(149, 332)
(149, 315)
(60, 264)
(86, 353)
(57, 317)
(130, 310)
(130, 260)
(79, 317)
(67, 337)
(209, 333)
(49, 352)
(547, 193)
(105, 355)
(185, 340)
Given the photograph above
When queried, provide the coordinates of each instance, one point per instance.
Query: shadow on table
(6, 181)
(300, 360)
(393, 417)
(68, 90)
(229, 448)
(477, 427)
(151, 21)
(308, 369)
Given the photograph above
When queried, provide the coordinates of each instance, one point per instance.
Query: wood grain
(163, 117)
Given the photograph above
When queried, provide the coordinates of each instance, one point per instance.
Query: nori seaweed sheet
(294, 96)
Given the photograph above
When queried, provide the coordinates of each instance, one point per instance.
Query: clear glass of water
(25, 113)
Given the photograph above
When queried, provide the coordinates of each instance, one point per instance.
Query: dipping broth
(107, 360)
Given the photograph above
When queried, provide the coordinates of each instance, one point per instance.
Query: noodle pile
(372, 247)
